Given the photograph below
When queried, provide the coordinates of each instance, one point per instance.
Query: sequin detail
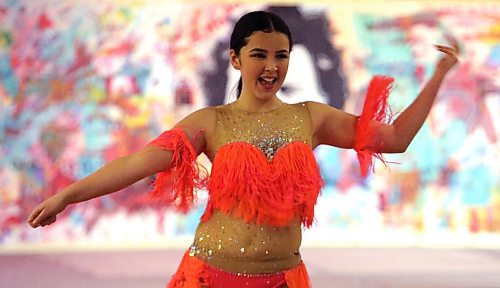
(267, 131)
(270, 145)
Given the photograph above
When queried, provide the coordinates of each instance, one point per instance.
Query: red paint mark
(82, 59)
(123, 48)
(44, 22)
(473, 221)
(3, 11)
(419, 73)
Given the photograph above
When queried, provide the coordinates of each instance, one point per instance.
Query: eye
(258, 55)
(282, 56)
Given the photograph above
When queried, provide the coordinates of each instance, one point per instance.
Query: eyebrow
(265, 51)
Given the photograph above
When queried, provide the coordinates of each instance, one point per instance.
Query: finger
(34, 213)
(48, 221)
(449, 52)
(33, 216)
(40, 218)
(33, 224)
(446, 49)
(453, 41)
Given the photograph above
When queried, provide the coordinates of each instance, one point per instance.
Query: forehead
(272, 41)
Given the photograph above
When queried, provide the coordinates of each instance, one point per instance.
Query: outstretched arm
(112, 177)
(398, 136)
(337, 128)
(118, 174)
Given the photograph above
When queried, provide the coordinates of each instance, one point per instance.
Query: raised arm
(337, 128)
(398, 136)
(121, 172)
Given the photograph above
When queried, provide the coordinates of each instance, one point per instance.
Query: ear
(235, 59)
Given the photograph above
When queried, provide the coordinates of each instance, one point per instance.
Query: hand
(45, 213)
(451, 54)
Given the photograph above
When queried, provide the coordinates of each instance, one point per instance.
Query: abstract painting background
(85, 82)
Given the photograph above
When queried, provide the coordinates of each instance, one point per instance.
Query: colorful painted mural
(82, 83)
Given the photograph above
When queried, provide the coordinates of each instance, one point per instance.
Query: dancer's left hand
(451, 54)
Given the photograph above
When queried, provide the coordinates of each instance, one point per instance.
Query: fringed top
(264, 170)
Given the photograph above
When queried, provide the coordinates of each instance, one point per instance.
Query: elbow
(402, 149)
(399, 148)
(392, 147)
(397, 143)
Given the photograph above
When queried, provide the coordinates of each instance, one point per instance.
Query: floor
(339, 267)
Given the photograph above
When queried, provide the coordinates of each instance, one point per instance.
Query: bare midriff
(233, 245)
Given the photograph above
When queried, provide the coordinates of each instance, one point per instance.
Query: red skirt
(194, 273)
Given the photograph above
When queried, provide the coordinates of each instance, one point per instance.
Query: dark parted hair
(252, 22)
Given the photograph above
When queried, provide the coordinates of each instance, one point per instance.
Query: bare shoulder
(331, 126)
(202, 119)
(317, 112)
(316, 107)
(320, 111)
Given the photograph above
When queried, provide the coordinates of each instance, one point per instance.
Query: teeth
(268, 79)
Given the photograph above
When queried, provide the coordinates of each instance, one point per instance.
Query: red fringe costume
(251, 183)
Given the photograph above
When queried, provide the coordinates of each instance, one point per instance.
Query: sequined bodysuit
(264, 183)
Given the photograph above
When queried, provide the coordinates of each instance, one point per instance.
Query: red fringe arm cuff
(175, 186)
(375, 108)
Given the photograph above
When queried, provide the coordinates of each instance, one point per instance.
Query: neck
(257, 105)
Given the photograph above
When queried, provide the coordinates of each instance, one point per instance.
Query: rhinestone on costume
(268, 131)
(269, 145)
(192, 250)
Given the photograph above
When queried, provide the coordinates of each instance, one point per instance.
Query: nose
(271, 66)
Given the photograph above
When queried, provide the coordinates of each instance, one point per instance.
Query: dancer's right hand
(45, 213)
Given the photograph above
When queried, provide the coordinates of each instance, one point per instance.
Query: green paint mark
(5, 39)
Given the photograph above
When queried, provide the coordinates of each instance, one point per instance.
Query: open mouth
(267, 82)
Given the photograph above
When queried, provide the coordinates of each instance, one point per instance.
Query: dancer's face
(302, 82)
(263, 64)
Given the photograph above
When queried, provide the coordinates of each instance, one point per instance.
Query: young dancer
(264, 181)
